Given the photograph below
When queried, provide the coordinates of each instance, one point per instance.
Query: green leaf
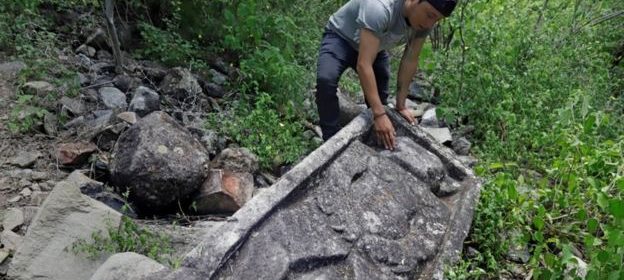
(603, 201)
(592, 225)
(616, 208)
(538, 223)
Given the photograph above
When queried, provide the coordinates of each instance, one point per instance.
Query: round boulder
(160, 162)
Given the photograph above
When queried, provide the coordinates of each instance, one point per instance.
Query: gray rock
(144, 101)
(5, 184)
(212, 89)
(72, 105)
(213, 142)
(236, 159)
(38, 88)
(39, 176)
(15, 199)
(26, 192)
(518, 250)
(103, 55)
(25, 159)
(129, 117)
(429, 118)
(38, 197)
(75, 123)
(65, 217)
(461, 146)
(113, 98)
(9, 70)
(13, 218)
(468, 161)
(11, 240)
(83, 79)
(420, 92)
(50, 124)
(344, 212)
(159, 160)
(100, 119)
(126, 83)
(180, 84)
(23, 183)
(21, 174)
(442, 135)
(4, 254)
(127, 266)
(218, 78)
(103, 68)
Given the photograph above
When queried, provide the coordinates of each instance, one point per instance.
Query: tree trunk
(109, 14)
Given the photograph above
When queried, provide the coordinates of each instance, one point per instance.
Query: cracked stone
(13, 218)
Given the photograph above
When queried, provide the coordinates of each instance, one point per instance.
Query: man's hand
(408, 115)
(385, 131)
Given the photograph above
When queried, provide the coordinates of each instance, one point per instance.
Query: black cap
(445, 7)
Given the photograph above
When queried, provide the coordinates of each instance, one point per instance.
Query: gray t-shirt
(383, 17)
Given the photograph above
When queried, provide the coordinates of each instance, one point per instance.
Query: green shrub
(128, 237)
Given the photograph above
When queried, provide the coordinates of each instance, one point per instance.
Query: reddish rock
(224, 192)
(75, 153)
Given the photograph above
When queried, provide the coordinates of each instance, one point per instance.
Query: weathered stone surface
(442, 135)
(72, 105)
(224, 192)
(39, 88)
(126, 83)
(144, 101)
(218, 78)
(160, 161)
(4, 254)
(13, 218)
(65, 217)
(75, 153)
(180, 83)
(50, 124)
(236, 159)
(11, 240)
(113, 98)
(461, 146)
(126, 266)
(347, 211)
(129, 117)
(429, 118)
(25, 159)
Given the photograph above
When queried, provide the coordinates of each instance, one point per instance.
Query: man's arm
(407, 70)
(369, 47)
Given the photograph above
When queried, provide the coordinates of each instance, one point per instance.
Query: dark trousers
(335, 55)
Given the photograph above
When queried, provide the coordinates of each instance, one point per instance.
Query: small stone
(126, 83)
(83, 79)
(461, 146)
(72, 105)
(39, 88)
(24, 159)
(469, 161)
(308, 134)
(15, 199)
(103, 55)
(75, 153)
(4, 254)
(218, 78)
(35, 187)
(77, 122)
(129, 117)
(21, 173)
(4, 184)
(37, 198)
(10, 240)
(237, 159)
(39, 176)
(429, 118)
(113, 98)
(144, 101)
(26, 192)
(50, 124)
(23, 183)
(442, 135)
(13, 218)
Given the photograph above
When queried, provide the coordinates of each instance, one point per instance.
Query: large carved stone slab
(350, 210)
